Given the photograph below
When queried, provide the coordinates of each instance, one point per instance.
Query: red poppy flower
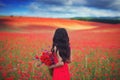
(47, 58)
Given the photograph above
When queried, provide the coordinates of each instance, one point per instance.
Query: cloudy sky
(61, 8)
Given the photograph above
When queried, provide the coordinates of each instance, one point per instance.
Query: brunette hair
(61, 42)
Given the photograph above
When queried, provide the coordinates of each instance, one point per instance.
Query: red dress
(61, 73)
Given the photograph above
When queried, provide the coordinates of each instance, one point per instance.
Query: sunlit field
(95, 49)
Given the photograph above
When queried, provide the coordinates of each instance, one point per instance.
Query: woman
(61, 49)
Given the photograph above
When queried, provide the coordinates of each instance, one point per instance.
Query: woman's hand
(50, 67)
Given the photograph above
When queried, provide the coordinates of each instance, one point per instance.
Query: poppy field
(95, 51)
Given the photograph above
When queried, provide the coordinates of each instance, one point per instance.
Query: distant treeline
(112, 20)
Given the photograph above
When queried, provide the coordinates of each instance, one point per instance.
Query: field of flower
(95, 54)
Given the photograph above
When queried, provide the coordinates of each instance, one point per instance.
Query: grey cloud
(61, 2)
(74, 7)
(102, 4)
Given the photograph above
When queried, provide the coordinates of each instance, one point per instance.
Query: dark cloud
(76, 7)
(102, 4)
(52, 2)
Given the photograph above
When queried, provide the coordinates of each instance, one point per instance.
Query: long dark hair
(61, 42)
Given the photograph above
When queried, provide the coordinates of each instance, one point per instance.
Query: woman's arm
(60, 62)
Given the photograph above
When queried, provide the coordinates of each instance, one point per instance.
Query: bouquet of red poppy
(47, 58)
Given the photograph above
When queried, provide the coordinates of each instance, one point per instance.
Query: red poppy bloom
(47, 58)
